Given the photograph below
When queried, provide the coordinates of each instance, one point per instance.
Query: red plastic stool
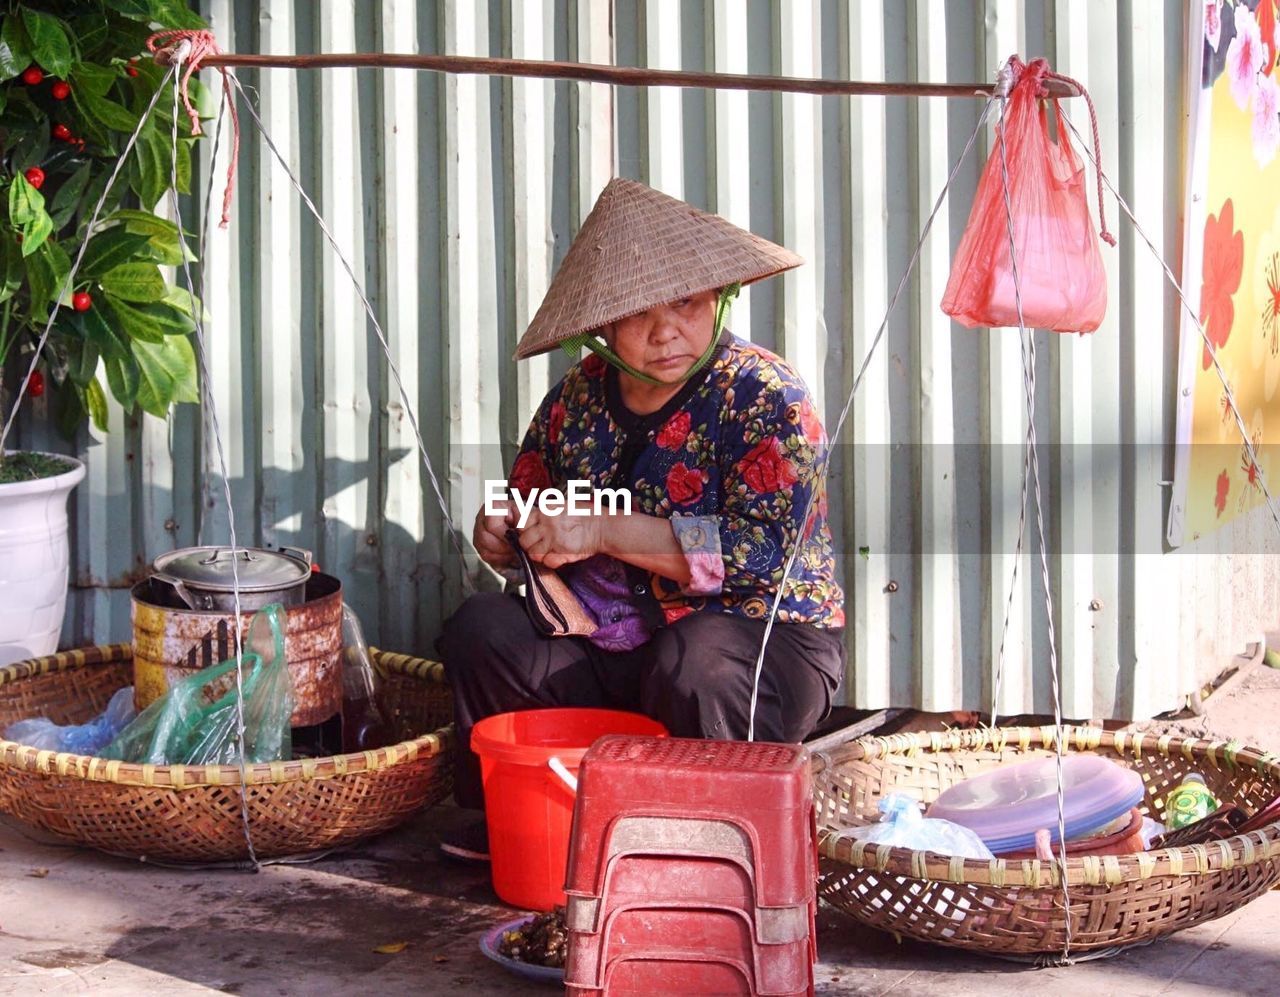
(693, 944)
(692, 864)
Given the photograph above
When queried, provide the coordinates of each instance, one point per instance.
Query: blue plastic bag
(78, 739)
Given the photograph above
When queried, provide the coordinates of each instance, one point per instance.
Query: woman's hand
(559, 540)
(490, 539)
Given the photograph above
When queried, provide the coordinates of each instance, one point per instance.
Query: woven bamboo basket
(1014, 908)
(193, 813)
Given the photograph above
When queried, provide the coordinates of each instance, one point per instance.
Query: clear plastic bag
(903, 825)
(364, 724)
(78, 739)
(1060, 273)
(195, 722)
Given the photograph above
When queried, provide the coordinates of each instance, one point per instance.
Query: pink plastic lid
(1006, 807)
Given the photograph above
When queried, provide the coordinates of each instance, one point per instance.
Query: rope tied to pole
(1013, 71)
(200, 45)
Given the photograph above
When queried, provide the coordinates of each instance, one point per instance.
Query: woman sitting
(721, 450)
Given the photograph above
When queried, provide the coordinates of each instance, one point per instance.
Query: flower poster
(1231, 268)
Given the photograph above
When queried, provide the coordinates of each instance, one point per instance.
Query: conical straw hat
(640, 248)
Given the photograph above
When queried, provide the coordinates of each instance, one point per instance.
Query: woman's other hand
(490, 539)
(559, 540)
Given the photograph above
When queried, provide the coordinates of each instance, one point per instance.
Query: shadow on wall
(392, 578)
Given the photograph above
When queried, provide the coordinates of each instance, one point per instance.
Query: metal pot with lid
(203, 577)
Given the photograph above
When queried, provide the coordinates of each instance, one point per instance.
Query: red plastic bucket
(529, 809)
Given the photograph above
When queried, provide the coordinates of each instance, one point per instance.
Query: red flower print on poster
(528, 473)
(1270, 287)
(1220, 277)
(765, 469)
(675, 432)
(1265, 15)
(683, 485)
(555, 423)
(1224, 486)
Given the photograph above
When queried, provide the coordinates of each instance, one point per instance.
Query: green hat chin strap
(588, 340)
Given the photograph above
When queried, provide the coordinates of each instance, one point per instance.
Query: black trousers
(694, 676)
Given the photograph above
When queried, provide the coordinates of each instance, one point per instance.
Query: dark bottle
(364, 726)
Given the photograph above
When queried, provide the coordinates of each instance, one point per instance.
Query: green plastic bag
(195, 722)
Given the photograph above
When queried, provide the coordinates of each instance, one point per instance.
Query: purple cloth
(602, 586)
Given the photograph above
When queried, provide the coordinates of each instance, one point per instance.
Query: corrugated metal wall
(457, 196)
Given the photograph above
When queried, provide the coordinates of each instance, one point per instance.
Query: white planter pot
(33, 563)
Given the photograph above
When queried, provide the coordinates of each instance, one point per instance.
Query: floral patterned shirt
(731, 460)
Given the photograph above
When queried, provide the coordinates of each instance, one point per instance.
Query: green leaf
(170, 254)
(145, 222)
(184, 167)
(96, 401)
(173, 321)
(174, 14)
(47, 271)
(64, 202)
(168, 374)
(49, 44)
(84, 362)
(88, 126)
(26, 210)
(31, 145)
(123, 379)
(126, 37)
(141, 10)
(36, 231)
(135, 282)
(140, 326)
(92, 191)
(166, 245)
(152, 157)
(96, 81)
(99, 327)
(91, 31)
(105, 111)
(70, 410)
(186, 302)
(25, 202)
(12, 271)
(15, 48)
(110, 248)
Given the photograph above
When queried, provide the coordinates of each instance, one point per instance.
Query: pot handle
(297, 553)
(178, 586)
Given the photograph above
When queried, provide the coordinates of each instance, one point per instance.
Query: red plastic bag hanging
(1060, 274)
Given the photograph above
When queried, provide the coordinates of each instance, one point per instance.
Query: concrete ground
(75, 921)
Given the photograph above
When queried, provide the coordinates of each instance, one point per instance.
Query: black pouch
(551, 604)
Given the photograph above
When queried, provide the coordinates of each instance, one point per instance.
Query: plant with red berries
(71, 95)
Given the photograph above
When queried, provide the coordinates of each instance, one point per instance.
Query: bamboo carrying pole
(619, 75)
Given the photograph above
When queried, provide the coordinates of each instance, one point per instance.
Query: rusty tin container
(171, 641)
